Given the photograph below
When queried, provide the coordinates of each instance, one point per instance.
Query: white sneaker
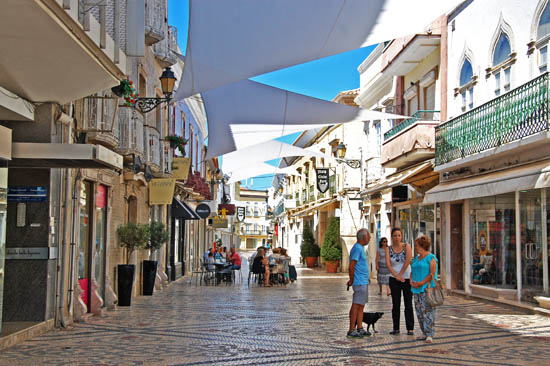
(429, 340)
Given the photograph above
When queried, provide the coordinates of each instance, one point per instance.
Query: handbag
(435, 296)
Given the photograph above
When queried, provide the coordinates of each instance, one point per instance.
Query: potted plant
(309, 250)
(126, 90)
(177, 142)
(331, 250)
(131, 236)
(158, 236)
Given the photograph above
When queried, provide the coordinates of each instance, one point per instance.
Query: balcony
(516, 115)
(152, 148)
(332, 184)
(411, 141)
(165, 50)
(279, 209)
(130, 126)
(99, 116)
(167, 158)
(155, 15)
(48, 55)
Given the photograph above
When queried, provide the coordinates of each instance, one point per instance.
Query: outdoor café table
(223, 269)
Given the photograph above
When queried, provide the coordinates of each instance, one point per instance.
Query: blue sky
(322, 78)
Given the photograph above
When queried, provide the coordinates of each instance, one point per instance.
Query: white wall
(474, 29)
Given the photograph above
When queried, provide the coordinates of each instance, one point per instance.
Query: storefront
(509, 242)
(505, 239)
(92, 240)
(3, 214)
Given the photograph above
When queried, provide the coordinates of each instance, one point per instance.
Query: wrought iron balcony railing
(422, 115)
(519, 113)
(131, 132)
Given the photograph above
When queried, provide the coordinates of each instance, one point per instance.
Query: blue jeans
(235, 267)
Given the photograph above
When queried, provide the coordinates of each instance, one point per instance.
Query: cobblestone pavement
(301, 324)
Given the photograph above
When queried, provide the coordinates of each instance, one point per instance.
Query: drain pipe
(66, 121)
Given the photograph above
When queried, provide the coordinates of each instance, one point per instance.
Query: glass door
(3, 213)
(84, 247)
(100, 238)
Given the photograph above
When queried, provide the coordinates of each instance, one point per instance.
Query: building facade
(491, 151)
(253, 230)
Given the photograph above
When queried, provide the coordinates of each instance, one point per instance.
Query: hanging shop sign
(218, 222)
(229, 208)
(241, 214)
(322, 179)
(203, 210)
(27, 194)
(161, 191)
(180, 168)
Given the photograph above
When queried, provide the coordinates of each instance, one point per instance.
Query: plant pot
(173, 145)
(310, 261)
(125, 281)
(149, 275)
(332, 266)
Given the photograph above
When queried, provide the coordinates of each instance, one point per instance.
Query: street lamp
(341, 157)
(167, 83)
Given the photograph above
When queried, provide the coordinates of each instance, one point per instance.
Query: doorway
(85, 242)
(457, 253)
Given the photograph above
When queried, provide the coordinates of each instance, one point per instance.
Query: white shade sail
(234, 40)
(263, 152)
(246, 113)
(254, 170)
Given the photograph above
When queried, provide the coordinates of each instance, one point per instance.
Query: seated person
(285, 259)
(261, 265)
(235, 259)
(223, 252)
(205, 257)
(218, 255)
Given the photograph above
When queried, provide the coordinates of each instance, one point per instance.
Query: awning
(181, 210)
(46, 155)
(510, 180)
(317, 206)
(399, 178)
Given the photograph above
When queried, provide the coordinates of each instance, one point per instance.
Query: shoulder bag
(435, 296)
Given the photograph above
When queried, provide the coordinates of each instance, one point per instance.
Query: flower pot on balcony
(332, 266)
(310, 261)
(125, 280)
(149, 275)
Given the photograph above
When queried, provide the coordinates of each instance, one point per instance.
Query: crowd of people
(403, 276)
(273, 266)
(229, 261)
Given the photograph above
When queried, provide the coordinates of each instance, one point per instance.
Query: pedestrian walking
(382, 270)
(398, 260)
(424, 271)
(359, 279)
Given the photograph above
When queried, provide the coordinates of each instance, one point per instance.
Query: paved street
(302, 324)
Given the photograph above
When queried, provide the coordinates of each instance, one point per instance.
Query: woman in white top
(398, 260)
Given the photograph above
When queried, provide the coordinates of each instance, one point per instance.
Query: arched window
(543, 29)
(502, 50)
(466, 73)
(502, 53)
(466, 87)
(543, 35)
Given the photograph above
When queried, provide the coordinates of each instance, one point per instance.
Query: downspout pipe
(66, 121)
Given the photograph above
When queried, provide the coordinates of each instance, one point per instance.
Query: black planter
(149, 275)
(125, 279)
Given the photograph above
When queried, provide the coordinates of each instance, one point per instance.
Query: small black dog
(371, 319)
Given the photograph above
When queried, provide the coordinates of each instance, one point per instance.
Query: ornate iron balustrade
(279, 209)
(519, 113)
(422, 115)
(131, 131)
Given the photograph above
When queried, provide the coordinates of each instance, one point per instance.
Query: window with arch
(502, 69)
(467, 85)
(543, 36)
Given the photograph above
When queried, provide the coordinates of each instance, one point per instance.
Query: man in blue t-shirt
(359, 279)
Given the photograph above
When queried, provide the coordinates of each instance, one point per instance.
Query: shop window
(493, 241)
